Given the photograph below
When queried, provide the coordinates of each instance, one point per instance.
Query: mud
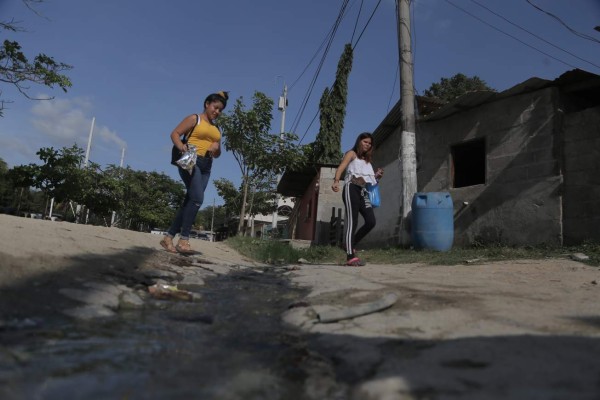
(231, 344)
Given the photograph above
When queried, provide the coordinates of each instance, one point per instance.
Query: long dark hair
(219, 96)
(368, 156)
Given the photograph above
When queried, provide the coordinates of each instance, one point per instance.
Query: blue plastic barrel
(432, 221)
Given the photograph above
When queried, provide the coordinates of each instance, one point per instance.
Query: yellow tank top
(203, 135)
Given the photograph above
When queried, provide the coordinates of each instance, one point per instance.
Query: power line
(356, 23)
(509, 35)
(534, 35)
(353, 47)
(309, 125)
(296, 121)
(581, 35)
(394, 85)
(313, 57)
(325, 40)
(366, 24)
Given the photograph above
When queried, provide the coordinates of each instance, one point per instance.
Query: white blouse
(360, 169)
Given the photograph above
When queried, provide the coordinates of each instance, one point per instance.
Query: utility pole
(85, 164)
(407, 97)
(87, 160)
(114, 214)
(282, 106)
(89, 144)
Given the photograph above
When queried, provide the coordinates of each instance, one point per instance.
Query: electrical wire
(366, 25)
(581, 35)
(356, 23)
(534, 35)
(394, 85)
(325, 40)
(296, 121)
(354, 46)
(509, 35)
(313, 58)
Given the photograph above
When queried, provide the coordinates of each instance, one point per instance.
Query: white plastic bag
(188, 159)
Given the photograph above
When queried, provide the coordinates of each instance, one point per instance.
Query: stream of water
(229, 345)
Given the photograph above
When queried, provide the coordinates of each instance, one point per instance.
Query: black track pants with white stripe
(356, 200)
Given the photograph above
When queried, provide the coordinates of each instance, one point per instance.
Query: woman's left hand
(215, 149)
(379, 173)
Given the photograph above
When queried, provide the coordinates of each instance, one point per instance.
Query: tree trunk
(45, 207)
(243, 210)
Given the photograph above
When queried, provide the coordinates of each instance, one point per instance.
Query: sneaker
(355, 262)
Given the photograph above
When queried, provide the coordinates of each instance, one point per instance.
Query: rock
(579, 257)
(89, 311)
(158, 273)
(192, 280)
(130, 300)
(93, 297)
(300, 316)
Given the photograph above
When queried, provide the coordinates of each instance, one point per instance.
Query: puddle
(229, 345)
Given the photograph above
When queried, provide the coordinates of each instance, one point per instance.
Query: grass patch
(276, 252)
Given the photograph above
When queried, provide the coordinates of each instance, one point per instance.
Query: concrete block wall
(328, 199)
(582, 176)
(387, 216)
(520, 202)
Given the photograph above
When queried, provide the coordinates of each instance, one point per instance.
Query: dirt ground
(519, 330)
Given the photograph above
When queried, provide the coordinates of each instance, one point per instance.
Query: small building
(318, 212)
(522, 166)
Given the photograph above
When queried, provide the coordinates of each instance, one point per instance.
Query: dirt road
(509, 330)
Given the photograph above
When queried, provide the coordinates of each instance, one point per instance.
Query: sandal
(355, 262)
(183, 246)
(167, 244)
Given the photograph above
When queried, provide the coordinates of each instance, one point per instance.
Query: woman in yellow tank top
(207, 139)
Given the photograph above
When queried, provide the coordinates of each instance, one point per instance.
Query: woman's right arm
(349, 156)
(181, 129)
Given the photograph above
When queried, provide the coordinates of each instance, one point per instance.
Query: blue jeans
(195, 184)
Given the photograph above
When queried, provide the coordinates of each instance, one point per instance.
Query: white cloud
(64, 122)
(56, 123)
(109, 136)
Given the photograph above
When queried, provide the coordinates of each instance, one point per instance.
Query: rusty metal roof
(294, 183)
(570, 79)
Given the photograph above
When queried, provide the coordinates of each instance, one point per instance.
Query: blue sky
(140, 67)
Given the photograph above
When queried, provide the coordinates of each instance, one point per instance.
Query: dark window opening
(580, 100)
(468, 163)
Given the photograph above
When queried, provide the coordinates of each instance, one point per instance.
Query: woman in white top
(359, 172)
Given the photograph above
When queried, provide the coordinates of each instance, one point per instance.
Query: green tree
(5, 186)
(450, 88)
(231, 195)
(149, 199)
(211, 216)
(99, 190)
(258, 153)
(60, 175)
(22, 178)
(17, 70)
(327, 146)
(261, 198)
